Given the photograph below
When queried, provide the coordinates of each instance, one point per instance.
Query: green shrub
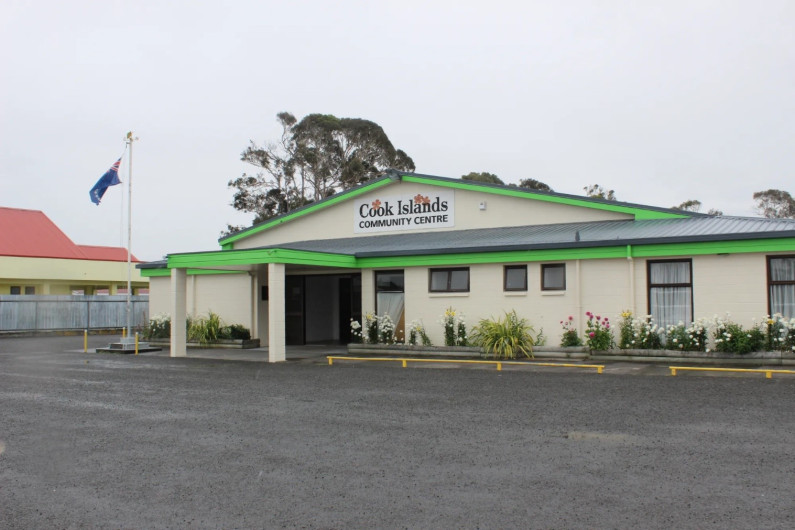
(455, 329)
(417, 332)
(639, 333)
(687, 338)
(570, 337)
(205, 330)
(780, 333)
(159, 327)
(730, 337)
(505, 338)
(234, 332)
(599, 336)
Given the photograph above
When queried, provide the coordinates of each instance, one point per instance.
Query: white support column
(276, 321)
(254, 306)
(179, 336)
(368, 292)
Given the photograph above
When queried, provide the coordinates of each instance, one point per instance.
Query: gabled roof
(639, 211)
(554, 236)
(31, 234)
(563, 241)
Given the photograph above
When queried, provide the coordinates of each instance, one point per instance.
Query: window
(553, 277)
(29, 289)
(389, 297)
(781, 285)
(515, 278)
(16, 289)
(670, 292)
(449, 280)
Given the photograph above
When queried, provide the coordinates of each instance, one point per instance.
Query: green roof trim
(227, 243)
(637, 211)
(155, 273)
(259, 256)
(230, 258)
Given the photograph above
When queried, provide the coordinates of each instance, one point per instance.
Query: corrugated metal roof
(31, 234)
(565, 235)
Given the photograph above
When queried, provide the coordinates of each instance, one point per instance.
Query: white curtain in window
(670, 305)
(390, 304)
(782, 297)
(675, 272)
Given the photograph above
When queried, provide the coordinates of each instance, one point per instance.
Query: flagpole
(129, 141)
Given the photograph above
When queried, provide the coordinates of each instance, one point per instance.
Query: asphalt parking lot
(119, 441)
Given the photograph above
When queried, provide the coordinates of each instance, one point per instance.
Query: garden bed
(697, 357)
(542, 352)
(221, 343)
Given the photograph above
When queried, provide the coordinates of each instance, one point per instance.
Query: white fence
(42, 312)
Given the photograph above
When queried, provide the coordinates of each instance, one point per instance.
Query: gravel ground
(111, 441)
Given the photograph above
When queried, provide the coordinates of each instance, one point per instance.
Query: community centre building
(412, 246)
(37, 258)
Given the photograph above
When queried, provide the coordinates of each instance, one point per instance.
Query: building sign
(410, 211)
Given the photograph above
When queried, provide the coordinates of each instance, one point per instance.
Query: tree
(488, 178)
(596, 191)
(313, 159)
(775, 204)
(715, 212)
(691, 205)
(534, 184)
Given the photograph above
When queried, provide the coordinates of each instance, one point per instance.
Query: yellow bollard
(404, 363)
(330, 362)
(599, 369)
(85, 341)
(136, 343)
(499, 367)
(123, 332)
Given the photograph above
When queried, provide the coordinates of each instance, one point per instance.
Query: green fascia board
(154, 273)
(259, 256)
(228, 242)
(636, 211)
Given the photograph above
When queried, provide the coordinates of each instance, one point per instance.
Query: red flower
(418, 199)
(592, 334)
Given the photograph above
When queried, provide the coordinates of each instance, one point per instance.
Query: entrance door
(294, 305)
(389, 299)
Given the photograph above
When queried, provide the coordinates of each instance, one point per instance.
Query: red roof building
(38, 258)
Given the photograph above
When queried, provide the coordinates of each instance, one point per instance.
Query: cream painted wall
(487, 299)
(228, 295)
(735, 283)
(337, 221)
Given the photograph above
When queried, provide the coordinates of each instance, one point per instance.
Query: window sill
(553, 293)
(448, 295)
(515, 293)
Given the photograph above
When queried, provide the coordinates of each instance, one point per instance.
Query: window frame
(544, 266)
(449, 271)
(771, 283)
(650, 285)
(505, 270)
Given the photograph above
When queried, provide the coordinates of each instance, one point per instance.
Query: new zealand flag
(110, 178)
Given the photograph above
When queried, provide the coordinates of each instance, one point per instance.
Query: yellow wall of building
(51, 276)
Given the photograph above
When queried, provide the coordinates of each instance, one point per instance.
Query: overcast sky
(662, 103)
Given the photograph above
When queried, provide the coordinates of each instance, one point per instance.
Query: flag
(110, 178)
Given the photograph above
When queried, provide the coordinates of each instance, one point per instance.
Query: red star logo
(376, 204)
